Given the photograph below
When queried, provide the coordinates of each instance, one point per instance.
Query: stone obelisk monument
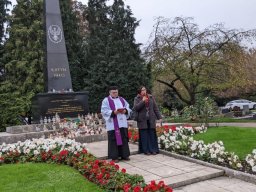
(60, 97)
(58, 73)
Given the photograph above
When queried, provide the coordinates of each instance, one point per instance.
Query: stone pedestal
(65, 104)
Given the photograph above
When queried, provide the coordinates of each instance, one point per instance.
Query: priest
(115, 110)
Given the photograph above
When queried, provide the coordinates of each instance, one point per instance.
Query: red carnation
(124, 170)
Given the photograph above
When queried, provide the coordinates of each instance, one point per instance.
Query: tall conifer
(74, 41)
(24, 60)
(113, 56)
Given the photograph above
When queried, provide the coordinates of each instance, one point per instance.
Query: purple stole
(116, 126)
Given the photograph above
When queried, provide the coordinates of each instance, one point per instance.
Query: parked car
(240, 103)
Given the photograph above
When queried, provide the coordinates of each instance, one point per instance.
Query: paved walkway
(220, 184)
(182, 175)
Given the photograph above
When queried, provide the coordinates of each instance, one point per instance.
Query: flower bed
(180, 141)
(106, 174)
(133, 135)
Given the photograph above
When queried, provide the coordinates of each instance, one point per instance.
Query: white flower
(36, 152)
(254, 168)
(162, 137)
(239, 165)
(251, 162)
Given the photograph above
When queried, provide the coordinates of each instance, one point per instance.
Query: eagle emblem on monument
(55, 33)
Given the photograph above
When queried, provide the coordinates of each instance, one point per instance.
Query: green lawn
(239, 140)
(211, 120)
(43, 177)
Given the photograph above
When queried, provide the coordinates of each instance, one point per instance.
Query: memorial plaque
(65, 104)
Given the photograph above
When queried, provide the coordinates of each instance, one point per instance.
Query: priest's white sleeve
(105, 110)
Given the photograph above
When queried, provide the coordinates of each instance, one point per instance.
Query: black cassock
(115, 151)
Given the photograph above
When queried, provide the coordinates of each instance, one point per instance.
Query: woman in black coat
(147, 114)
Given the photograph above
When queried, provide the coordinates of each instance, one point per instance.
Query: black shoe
(126, 159)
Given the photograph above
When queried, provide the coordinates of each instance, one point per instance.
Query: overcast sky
(239, 14)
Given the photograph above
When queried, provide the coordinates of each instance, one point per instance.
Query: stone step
(174, 172)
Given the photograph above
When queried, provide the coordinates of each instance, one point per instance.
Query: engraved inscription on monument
(64, 106)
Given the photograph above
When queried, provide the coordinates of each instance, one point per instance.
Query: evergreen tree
(113, 56)
(74, 41)
(24, 59)
(3, 16)
(131, 70)
(97, 52)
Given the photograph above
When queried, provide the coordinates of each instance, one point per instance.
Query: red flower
(135, 137)
(124, 170)
(168, 189)
(103, 170)
(64, 153)
(129, 134)
(84, 151)
(126, 187)
(117, 167)
(161, 184)
(112, 163)
(96, 166)
(153, 182)
(53, 157)
(173, 128)
(100, 176)
(137, 189)
(78, 154)
(1, 159)
(107, 175)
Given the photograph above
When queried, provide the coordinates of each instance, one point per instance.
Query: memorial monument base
(46, 105)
